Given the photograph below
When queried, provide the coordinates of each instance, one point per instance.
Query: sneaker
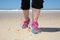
(25, 24)
(35, 28)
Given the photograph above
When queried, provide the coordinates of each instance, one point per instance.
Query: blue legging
(25, 4)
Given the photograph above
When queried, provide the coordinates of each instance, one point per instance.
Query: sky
(16, 4)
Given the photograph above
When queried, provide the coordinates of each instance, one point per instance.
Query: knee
(38, 4)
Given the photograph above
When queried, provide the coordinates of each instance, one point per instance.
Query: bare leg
(26, 14)
(35, 14)
(27, 20)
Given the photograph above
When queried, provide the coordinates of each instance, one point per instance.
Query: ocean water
(16, 4)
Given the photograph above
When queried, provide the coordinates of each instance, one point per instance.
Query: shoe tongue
(35, 24)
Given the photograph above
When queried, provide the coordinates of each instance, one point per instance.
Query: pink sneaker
(25, 24)
(35, 28)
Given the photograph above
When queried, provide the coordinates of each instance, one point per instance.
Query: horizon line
(29, 10)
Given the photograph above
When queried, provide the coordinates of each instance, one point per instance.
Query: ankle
(26, 19)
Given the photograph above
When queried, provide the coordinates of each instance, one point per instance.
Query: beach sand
(10, 29)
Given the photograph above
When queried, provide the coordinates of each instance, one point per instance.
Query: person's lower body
(36, 7)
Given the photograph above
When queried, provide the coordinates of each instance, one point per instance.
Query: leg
(35, 14)
(26, 6)
(26, 14)
(37, 5)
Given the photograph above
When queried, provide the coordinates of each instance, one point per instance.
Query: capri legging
(25, 4)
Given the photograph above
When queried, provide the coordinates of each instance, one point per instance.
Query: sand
(10, 29)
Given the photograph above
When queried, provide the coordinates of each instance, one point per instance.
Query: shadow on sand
(50, 29)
